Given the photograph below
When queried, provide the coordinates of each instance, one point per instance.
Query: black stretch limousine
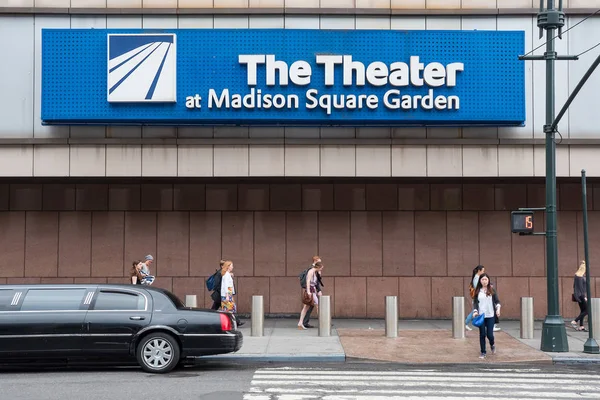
(110, 322)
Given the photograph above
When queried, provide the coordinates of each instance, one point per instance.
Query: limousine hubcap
(157, 353)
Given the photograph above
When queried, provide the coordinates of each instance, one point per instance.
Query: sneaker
(467, 327)
(494, 349)
(482, 356)
(497, 328)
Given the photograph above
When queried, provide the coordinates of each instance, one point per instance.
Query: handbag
(573, 298)
(478, 320)
(307, 298)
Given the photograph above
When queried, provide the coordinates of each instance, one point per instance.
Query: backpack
(210, 282)
(302, 278)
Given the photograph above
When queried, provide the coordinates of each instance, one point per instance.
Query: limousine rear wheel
(158, 352)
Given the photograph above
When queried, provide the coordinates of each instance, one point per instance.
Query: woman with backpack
(309, 294)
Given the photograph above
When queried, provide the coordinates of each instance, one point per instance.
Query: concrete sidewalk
(419, 341)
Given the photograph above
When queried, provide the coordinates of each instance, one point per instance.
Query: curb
(575, 360)
(339, 357)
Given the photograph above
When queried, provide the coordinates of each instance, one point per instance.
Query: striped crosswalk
(289, 383)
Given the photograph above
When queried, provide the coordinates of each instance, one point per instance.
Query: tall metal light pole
(554, 335)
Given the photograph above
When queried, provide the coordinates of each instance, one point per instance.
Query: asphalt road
(299, 381)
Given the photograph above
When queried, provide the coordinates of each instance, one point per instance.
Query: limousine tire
(158, 352)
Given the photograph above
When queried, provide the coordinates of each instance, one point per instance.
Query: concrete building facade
(405, 211)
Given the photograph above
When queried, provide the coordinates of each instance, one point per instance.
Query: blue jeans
(487, 329)
(469, 318)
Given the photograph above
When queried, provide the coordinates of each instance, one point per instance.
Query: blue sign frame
(282, 77)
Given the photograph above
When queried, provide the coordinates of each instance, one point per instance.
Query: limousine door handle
(137, 318)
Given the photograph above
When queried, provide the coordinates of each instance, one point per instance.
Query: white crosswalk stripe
(290, 383)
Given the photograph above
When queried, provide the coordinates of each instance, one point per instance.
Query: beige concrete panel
(517, 3)
(515, 160)
(373, 160)
(478, 4)
(522, 23)
(266, 22)
(17, 89)
(123, 160)
(302, 160)
(408, 23)
(562, 161)
(479, 23)
(408, 4)
(267, 161)
(159, 160)
(196, 21)
(266, 3)
(436, 4)
(159, 21)
(337, 22)
(123, 3)
(231, 22)
(89, 160)
(480, 160)
(231, 160)
(51, 161)
(409, 161)
(88, 3)
(582, 116)
(195, 3)
(123, 21)
(583, 3)
(443, 23)
(338, 160)
(16, 160)
(302, 4)
(195, 160)
(53, 3)
(16, 3)
(337, 3)
(372, 22)
(444, 161)
(584, 157)
(412, 132)
(159, 3)
(444, 132)
(373, 3)
(230, 3)
(302, 21)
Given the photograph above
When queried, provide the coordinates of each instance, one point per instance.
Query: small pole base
(554, 335)
(591, 347)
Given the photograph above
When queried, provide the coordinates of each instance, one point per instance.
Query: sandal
(574, 325)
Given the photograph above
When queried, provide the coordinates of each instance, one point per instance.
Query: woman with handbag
(485, 303)
(309, 294)
(580, 296)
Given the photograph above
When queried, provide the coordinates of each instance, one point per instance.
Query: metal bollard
(595, 308)
(325, 316)
(391, 316)
(191, 300)
(458, 317)
(527, 318)
(258, 316)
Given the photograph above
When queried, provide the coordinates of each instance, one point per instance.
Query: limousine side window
(108, 300)
(53, 299)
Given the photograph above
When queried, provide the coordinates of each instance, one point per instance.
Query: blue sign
(282, 77)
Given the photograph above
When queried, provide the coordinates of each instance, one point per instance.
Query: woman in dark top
(580, 296)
